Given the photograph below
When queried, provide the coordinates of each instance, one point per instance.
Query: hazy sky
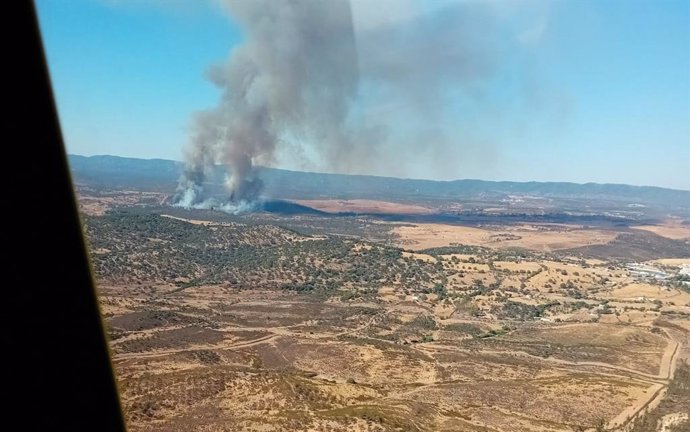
(569, 90)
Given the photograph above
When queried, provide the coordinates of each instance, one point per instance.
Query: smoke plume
(350, 86)
(295, 75)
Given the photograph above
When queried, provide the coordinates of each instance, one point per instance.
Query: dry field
(545, 237)
(673, 262)
(246, 325)
(672, 229)
(640, 291)
(91, 203)
(214, 358)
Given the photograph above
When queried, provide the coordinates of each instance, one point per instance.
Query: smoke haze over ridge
(340, 85)
(576, 90)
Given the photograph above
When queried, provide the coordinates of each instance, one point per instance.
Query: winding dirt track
(129, 356)
(257, 341)
(666, 371)
(658, 383)
(662, 377)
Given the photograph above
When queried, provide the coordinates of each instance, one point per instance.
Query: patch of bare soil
(672, 229)
(541, 238)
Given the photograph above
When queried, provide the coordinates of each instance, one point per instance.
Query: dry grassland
(542, 238)
(210, 358)
(670, 229)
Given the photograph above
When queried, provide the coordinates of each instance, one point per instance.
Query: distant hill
(120, 172)
(161, 175)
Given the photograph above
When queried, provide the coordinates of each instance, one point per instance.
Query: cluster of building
(645, 271)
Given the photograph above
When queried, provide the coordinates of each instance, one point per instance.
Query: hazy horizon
(389, 176)
(572, 91)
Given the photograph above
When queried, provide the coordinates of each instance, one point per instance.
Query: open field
(536, 237)
(97, 203)
(641, 291)
(672, 229)
(280, 361)
(269, 322)
(674, 262)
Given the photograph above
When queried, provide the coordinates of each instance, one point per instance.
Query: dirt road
(160, 353)
(651, 398)
(666, 371)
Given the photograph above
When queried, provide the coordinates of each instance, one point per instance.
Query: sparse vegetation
(291, 323)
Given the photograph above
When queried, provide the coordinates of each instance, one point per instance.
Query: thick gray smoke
(350, 86)
(295, 74)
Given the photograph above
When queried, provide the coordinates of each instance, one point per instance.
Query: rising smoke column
(388, 87)
(296, 73)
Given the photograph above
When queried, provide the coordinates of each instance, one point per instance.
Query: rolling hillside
(161, 175)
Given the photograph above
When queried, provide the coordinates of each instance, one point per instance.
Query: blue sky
(580, 90)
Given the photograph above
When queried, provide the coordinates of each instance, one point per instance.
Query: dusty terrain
(98, 202)
(365, 206)
(271, 323)
(543, 237)
(673, 229)
(259, 360)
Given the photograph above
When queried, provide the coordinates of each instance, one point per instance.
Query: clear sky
(579, 90)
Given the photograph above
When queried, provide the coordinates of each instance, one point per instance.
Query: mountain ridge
(74, 157)
(162, 175)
